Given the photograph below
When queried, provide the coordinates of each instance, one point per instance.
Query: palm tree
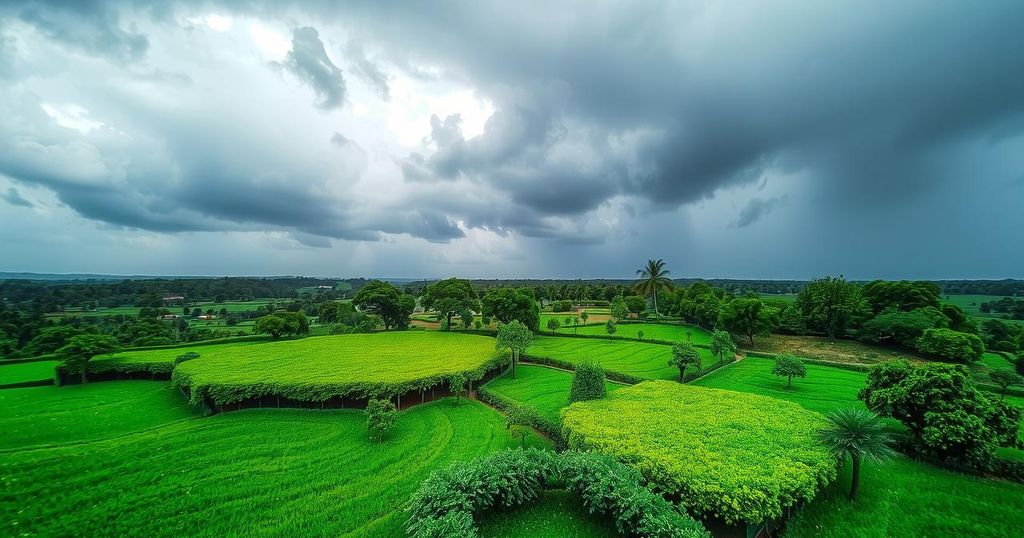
(653, 277)
(859, 433)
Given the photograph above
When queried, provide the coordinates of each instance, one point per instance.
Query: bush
(950, 345)
(587, 382)
(561, 306)
(765, 461)
(446, 502)
(191, 355)
(381, 416)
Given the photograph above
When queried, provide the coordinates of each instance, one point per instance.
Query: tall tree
(450, 297)
(748, 316)
(684, 355)
(515, 337)
(508, 304)
(386, 301)
(832, 305)
(653, 277)
(722, 345)
(857, 433)
(74, 355)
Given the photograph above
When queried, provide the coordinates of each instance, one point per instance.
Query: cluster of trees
(283, 323)
(385, 301)
(1013, 308)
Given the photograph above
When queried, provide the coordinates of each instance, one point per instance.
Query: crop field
(655, 331)
(157, 360)
(26, 371)
(638, 359)
(546, 390)
(594, 315)
(820, 347)
(972, 305)
(322, 367)
(269, 472)
(557, 514)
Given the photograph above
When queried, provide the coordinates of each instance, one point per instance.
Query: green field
(655, 331)
(643, 360)
(257, 472)
(321, 367)
(903, 498)
(161, 360)
(26, 371)
(557, 514)
(972, 305)
(231, 306)
(546, 390)
(825, 388)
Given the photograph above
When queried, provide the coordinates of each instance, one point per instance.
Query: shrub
(457, 384)
(553, 325)
(561, 306)
(445, 503)
(609, 327)
(789, 366)
(950, 345)
(587, 382)
(766, 460)
(191, 355)
(381, 416)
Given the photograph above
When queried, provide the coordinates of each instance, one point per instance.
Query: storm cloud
(576, 128)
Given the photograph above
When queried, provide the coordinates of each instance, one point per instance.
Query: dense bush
(381, 416)
(561, 306)
(587, 382)
(282, 323)
(950, 345)
(948, 418)
(766, 459)
(446, 503)
(191, 355)
(902, 328)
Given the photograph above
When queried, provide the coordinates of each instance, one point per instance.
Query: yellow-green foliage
(153, 360)
(737, 456)
(319, 368)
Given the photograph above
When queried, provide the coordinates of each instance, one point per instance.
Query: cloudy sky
(774, 139)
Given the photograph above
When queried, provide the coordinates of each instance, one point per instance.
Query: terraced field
(652, 331)
(638, 359)
(546, 390)
(158, 360)
(26, 371)
(269, 472)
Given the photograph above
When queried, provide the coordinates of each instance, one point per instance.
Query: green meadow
(637, 359)
(652, 331)
(544, 389)
(26, 371)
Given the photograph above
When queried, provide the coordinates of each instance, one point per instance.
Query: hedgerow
(360, 366)
(447, 502)
(552, 429)
(740, 457)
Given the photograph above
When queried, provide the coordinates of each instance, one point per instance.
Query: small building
(206, 316)
(173, 298)
(325, 287)
(170, 316)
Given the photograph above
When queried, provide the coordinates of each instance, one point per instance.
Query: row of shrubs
(550, 428)
(448, 502)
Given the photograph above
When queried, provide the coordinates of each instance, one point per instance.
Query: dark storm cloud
(309, 62)
(92, 27)
(757, 208)
(13, 197)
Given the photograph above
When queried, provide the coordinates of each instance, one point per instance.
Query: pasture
(26, 371)
(652, 331)
(820, 347)
(143, 469)
(636, 359)
(971, 304)
(546, 390)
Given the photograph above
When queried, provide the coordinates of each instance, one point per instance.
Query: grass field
(164, 358)
(557, 514)
(231, 306)
(820, 347)
(903, 498)
(656, 331)
(972, 305)
(318, 368)
(255, 472)
(26, 371)
(648, 361)
(546, 390)
(594, 315)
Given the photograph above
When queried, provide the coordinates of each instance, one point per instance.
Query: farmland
(652, 331)
(271, 472)
(636, 359)
(546, 390)
(26, 371)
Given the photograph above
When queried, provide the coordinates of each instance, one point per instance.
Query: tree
(903, 295)
(653, 278)
(900, 327)
(789, 366)
(450, 297)
(383, 299)
(701, 304)
(1005, 378)
(684, 355)
(635, 303)
(553, 325)
(457, 384)
(619, 310)
(609, 326)
(950, 345)
(748, 316)
(381, 416)
(576, 324)
(587, 382)
(722, 345)
(857, 433)
(466, 317)
(949, 419)
(508, 304)
(75, 354)
(519, 420)
(281, 323)
(584, 316)
(515, 337)
(640, 334)
(831, 305)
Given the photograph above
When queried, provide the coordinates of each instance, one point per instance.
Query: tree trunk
(656, 303)
(682, 374)
(513, 365)
(790, 384)
(449, 326)
(751, 337)
(855, 479)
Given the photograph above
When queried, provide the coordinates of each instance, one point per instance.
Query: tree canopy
(832, 305)
(748, 316)
(653, 278)
(386, 301)
(512, 304)
(450, 297)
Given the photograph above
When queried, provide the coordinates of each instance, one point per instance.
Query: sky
(490, 139)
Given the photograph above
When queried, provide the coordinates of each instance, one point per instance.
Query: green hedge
(447, 502)
(552, 429)
(566, 365)
(736, 456)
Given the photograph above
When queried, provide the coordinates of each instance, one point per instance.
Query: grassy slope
(972, 305)
(26, 371)
(261, 473)
(649, 361)
(557, 514)
(656, 331)
(544, 389)
(167, 355)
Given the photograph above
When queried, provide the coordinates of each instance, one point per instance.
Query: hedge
(551, 429)
(447, 502)
(732, 455)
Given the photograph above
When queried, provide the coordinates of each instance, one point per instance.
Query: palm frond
(857, 432)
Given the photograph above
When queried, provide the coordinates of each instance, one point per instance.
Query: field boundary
(26, 384)
(618, 337)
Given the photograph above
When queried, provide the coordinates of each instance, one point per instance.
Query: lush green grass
(159, 359)
(972, 305)
(994, 360)
(740, 457)
(556, 514)
(26, 371)
(648, 361)
(231, 306)
(905, 498)
(655, 331)
(322, 367)
(254, 473)
(80, 413)
(825, 388)
(544, 389)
